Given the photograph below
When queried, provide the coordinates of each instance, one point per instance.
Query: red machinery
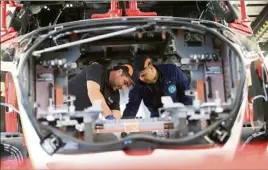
(133, 10)
(243, 24)
(115, 11)
(11, 117)
(7, 33)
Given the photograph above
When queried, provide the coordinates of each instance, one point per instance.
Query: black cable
(252, 137)
(13, 150)
(11, 153)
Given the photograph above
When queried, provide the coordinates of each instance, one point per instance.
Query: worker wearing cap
(98, 83)
(153, 82)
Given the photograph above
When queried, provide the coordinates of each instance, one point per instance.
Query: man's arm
(133, 104)
(182, 84)
(115, 107)
(94, 93)
(117, 114)
(94, 77)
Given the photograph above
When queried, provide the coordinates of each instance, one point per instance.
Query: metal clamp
(10, 107)
(195, 22)
(51, 144)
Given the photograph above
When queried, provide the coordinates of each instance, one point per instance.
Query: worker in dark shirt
(97, 83)
(155, 81)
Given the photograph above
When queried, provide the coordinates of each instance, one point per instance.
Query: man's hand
(110, 117)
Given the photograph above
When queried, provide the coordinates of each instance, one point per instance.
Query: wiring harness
(13, 151)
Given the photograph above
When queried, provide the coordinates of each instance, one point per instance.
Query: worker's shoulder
(95, 65)
(167, 66)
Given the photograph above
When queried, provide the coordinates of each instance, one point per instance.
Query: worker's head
(121, 76)
(145, 70)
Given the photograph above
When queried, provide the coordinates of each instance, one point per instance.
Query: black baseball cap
(141, 62)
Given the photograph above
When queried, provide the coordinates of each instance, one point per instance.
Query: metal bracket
(243, 26)
(133, 10)
(113, 12)
(51, 143)
(58, 28)
(11, 108)
(221, 135)
(195, 22)
(180, 110)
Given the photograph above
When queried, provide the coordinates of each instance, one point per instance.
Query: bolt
(52, 62)
(123, 134)
(60, 62)
(50, 102)
(64, 60)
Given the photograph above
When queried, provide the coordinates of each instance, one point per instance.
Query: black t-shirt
(77, 86)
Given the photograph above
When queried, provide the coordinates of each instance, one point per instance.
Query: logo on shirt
(110, 101)
(172, 89)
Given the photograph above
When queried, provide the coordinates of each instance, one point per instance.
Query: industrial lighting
(47, 8)
(69, 5)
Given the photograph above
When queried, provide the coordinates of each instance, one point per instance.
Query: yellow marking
(249, 77)
(262, 28)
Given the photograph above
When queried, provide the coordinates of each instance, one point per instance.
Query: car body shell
(158, 159)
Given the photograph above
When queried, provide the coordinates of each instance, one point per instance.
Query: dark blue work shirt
(171, 82)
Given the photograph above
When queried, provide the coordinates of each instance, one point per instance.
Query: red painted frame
(7, 33)
(3, 17)
(13, 4)
(115, 11)
(11, 118)
(133, 10)
(112, 13)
